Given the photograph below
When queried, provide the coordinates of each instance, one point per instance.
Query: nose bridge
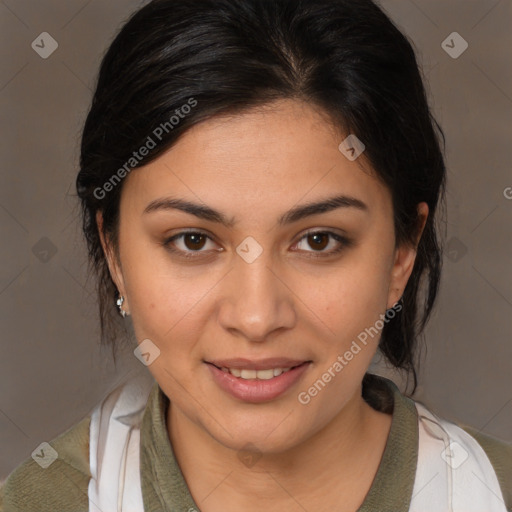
(258, 302)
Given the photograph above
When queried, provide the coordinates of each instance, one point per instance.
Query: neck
(341, 458)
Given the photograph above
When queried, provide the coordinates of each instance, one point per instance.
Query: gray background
(52, 369)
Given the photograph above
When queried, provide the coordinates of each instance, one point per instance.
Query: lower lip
(255, 390)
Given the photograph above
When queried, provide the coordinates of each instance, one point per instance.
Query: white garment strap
(115, 485)
(454, 473)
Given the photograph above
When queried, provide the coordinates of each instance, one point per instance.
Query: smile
(263, 381)
(268, 374)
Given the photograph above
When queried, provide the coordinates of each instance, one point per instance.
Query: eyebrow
(293, 215)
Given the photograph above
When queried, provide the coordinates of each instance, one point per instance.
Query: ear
(114, 265)
(405, 256)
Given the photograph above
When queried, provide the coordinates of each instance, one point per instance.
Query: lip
(241, 363)
(255, 390)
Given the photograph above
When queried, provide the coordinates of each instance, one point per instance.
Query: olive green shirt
(63, 486)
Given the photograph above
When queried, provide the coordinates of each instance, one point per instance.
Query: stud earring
(119, 303)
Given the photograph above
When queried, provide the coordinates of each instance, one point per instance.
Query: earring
(120, 306)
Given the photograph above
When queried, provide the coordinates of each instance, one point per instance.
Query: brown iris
(314, 240)
(197, 240)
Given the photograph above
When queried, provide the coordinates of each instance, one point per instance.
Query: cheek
(160, 294)
(353, 296)
(163, 305)
(351, 303)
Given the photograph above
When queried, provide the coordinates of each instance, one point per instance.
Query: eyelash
(342, 240)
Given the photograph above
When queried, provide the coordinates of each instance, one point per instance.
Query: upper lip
(261, 364)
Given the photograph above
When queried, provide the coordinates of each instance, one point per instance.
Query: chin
(269, 437)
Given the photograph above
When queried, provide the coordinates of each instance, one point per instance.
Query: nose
(257, 302)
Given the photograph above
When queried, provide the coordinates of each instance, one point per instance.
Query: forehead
(274, 156)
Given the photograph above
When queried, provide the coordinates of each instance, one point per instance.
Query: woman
(259, 184)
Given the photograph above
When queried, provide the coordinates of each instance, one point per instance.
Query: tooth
(225, 370)
(257, 374)
(248, 374)
(265, 374)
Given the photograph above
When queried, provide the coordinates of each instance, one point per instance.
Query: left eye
(319, 240)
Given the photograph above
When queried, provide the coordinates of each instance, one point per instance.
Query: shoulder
(61, 485)
(500, 455)
(489, 459)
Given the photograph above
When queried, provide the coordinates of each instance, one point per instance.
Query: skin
(253, 168)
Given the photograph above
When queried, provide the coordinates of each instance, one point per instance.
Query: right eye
(186, 243)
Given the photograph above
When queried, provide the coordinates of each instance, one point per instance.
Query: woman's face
(265, 281)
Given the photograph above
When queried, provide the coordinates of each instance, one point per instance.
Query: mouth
(257, 381)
